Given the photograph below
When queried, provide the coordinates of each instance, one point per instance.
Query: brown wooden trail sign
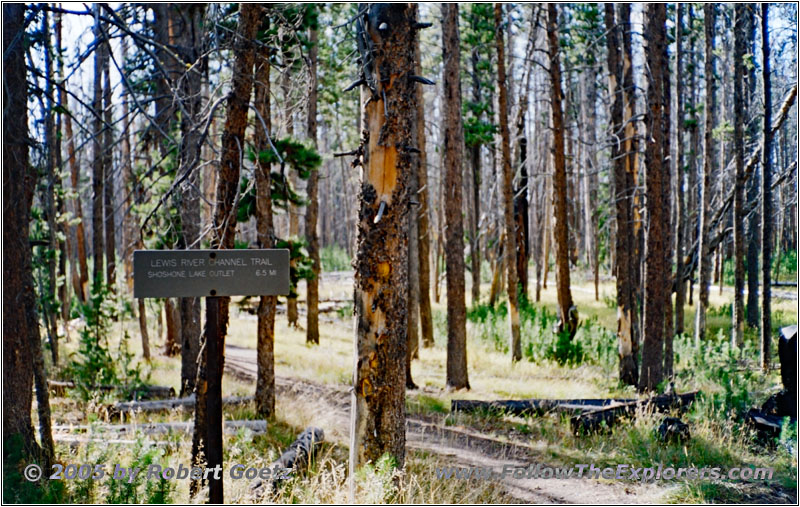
(203, 273)
(212, 274)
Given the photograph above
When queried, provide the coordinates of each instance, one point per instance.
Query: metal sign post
(212, 274)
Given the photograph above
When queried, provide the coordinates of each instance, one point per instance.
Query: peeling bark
(386, 43)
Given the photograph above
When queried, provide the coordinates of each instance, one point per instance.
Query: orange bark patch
(382, 163)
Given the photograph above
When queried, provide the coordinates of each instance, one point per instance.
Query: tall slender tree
(704, 251)
(109, 206)
(224, 235)
(568, 313)
(623, 198)
(312, 211)
(766, 198)
(510, 244)
(423, 215)
(740, 37)
(385, 35)
(98, 179)
(265, 335)
(20, 325)
(658, 199)
(457, 377)
(681, 227)
(754, 218)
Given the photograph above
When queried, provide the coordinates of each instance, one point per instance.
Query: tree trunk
(590, 169)
(475, 212)
(623, 190)
(187, 35)
(508, 193)
(413, 264)
(97, 155)
(386, 40)
(658, 198)
(129, 233)
(694, 149)
(265, 380)
(682, 225)
(740, 35)
(312, 295)
(754, 220)
(143, 329)
(20, 325)
(208, 416)
(294, 210)
(568, 314)
(423, 225)
(704, 251)
(521, 192)
(631, 143)
(78, 262)
(108, 173)
(766, 198)
(457, 377)
(172, 318)
(49, 198)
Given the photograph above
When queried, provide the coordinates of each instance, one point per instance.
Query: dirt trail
(459, 446)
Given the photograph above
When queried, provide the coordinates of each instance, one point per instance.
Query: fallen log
(601, 418)
(256, 426)
(147, 392)
(186, 403)
(533, 406)
(766, 425)
(294, 458)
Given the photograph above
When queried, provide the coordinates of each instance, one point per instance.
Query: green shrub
(540, 341)
(334, 258)
(93, 364)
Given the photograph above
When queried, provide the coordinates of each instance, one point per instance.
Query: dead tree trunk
(508, 193)
(187, 33)
(49, 199)
(631, 150)
(412, 351)
(423, 225)
(20, 325)
(385, 35)
(737, 338)
(78, 261)
(766, 198)
(658, 198)
(208, 418)
(682, 226)
(568, 314)
(753, 223)
(265, 345)
(457, 377)
(312, 296)
(623, 190)
(97, 155)
(704, 251)
(109, 204)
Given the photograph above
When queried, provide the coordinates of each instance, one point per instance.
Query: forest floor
(313, 390)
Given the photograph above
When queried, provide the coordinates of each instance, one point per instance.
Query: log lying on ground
(595, 420)
(533, 406)
(171, 404)
(293, 459)
(117, 430)
(767, 425)
(59, 388)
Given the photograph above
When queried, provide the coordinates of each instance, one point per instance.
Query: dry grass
(492, 376)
